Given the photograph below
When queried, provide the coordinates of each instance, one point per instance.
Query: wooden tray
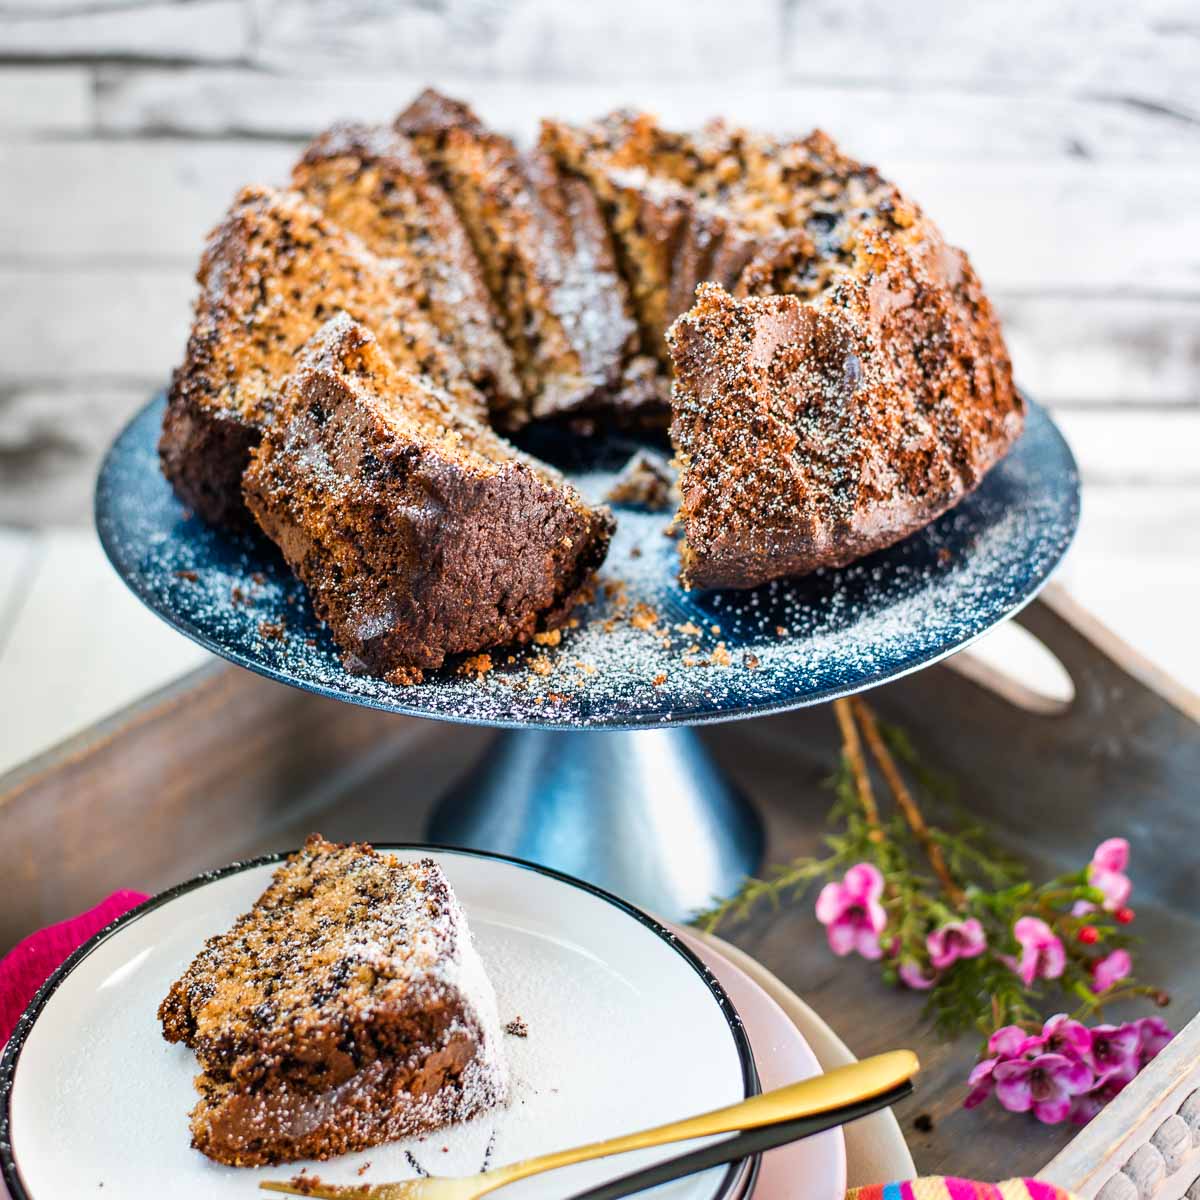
(225, 764)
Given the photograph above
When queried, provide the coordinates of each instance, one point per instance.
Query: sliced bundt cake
(665, 197)
(546, 252)
(371, 181)
(419, 531)
(866, 393)
(272, 273)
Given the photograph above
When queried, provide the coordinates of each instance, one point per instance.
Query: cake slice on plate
(348, 1007)
(272, 273)
(371, 181)
(420, 532)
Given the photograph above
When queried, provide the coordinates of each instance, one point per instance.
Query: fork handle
(858, 1081)
(741, 1146)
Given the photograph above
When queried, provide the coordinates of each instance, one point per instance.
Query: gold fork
(858, 1081)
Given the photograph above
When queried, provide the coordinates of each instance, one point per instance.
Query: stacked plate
(629, 1024)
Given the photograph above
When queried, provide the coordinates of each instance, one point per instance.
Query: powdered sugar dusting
(627, 663)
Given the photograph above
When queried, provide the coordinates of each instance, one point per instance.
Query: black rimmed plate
(646, 653)
(626, 1028)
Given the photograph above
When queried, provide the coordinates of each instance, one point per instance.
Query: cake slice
(667, 199)
(348, 1007)
(547, 256)
(419, 531)
(371, 181)
(716, 205)
(809, 434)
(272, 273)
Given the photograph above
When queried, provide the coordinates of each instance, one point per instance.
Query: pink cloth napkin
(30, 963)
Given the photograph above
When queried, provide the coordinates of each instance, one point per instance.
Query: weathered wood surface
(227, 764)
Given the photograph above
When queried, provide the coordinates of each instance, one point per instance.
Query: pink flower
(1085, 1107)
(1042, 953)
(1067, 1037)
(981, 1082)
(958, 939)
(1106, 871)
(851, 912)
(1111, 969)
(1153, 1035)
(1046, 1084)
(1013, 1042)
(1115, 1052)
(912, 976)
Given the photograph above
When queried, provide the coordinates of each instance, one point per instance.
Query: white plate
(783, 1055)
(626, 1029)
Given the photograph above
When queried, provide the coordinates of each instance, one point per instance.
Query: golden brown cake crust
(419, 532)
(371, 181)
(811, 434)
(347, 1007)
(547, 255)
(272, 273)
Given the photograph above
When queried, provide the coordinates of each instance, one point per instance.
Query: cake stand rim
(647, 721)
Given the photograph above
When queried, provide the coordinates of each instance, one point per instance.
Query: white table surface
(1067, 165)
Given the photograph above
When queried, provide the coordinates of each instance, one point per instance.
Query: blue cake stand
(641, 810)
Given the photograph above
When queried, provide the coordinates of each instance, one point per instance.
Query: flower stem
(852, 748)
(906, 803)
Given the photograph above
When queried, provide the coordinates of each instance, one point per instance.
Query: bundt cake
(854, 387)
(546, 251)
(666, 198)
(371, 181)
(348, 1007)
(839, 377)
(419, 531)
(272, 273)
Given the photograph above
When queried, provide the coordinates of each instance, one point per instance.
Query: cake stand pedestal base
(647, 815)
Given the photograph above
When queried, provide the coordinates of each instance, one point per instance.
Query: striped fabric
(943, 1187)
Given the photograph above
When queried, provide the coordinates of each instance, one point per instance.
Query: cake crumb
(405, 676)
(541, 665)
(517, 1028)
(549, 637)
(644, 482)
(477, 666)
(721, 655)
(190, 576)
(659, 679)
(272, 630)
(644, 617)
(750, 661)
